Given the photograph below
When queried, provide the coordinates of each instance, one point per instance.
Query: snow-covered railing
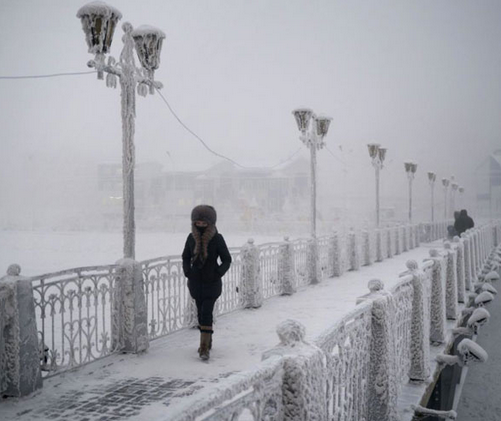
(347, 347)
(73, 309)
(253, 395)
(3, 355)
(373, 351)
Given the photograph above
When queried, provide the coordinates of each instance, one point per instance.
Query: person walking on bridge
(203, 247)
(463, 222)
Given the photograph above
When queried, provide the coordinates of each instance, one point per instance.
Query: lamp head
(303, 117)
(322, 125)
(432, 176)
(382, 154)
(98, 23)
(445, 182)
(373, 149)
(148, 41)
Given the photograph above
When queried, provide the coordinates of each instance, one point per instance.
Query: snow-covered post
(20, 372)
(467, 261)
(459, 244)
(451, 285)
(354, 251)
(286, 272)
(405, 239)
(367, 247)
(383, 388)
(336, 257)
(305, 379)
(129, 317)
(313, 268)
(398, 243)
(437, 302)
(379, 246)
(252, 293)
(476, 260)
(420, 326)
(391, 250)
(417, 239)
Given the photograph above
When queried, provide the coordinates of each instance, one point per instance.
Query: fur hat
(204, 213)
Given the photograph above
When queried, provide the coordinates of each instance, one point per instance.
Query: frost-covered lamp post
(454, 188)
(410, 169)
(312, 135)
(98, 22)
(461, 192)
(377, 154)
(432, 178)
(445, 183)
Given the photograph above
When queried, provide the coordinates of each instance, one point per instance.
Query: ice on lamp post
(99, 21)
(410, 167)
(382, 154)
(148, 41)
(432, 176)
(373, 149)
(445, 182)
(303, 117)
(322, 124)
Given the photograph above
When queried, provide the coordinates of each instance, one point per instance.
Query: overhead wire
(48, 75)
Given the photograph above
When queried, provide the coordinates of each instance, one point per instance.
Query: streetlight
(312, 135)
(461, 195)
(454, 187)
(410, 169)
(98, 22)
(445, 183)
(432, 178)
(378, 155)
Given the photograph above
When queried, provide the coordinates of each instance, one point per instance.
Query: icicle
(111, 80)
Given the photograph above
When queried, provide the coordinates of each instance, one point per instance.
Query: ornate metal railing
(403, 295)
(73, 309)
(269, 267)
(300, 248)
(347, 347)
(230, 298)
(324, 256)
(253, 395)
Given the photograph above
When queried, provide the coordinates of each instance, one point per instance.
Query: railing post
(405, 239)
(252, 293)
(467, 261)
(420, 326)
(451, 286)
(20, 372)
(304, 376)
(336, 257)
(313, 268)
(459, 244)
(437, 302)
(367, 248)
(379, 246)
(398, 246)
(354, 251)
(383, 388)
(129, 317)
(286, 272)
(417, 239)
(391, 250)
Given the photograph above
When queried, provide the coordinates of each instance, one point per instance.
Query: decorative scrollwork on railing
(269, 265)
(73, 309)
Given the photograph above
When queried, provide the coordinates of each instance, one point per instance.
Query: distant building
(239, 193)
(488, 185)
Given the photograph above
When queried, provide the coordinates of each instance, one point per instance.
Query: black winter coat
(211, 270)
(463, 223)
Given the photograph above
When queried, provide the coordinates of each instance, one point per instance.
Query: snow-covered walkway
(139, 387)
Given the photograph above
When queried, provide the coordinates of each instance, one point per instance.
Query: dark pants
(205, 295)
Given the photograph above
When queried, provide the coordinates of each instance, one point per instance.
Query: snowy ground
(40, 252)
(145, 386)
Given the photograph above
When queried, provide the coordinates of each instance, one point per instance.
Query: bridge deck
(161, 381)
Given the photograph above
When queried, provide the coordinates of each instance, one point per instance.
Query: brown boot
(205, 342)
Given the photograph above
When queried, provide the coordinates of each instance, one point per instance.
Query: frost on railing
(347, 346)
(230, 297)
(451, 286)
(269, 265)
(167, 298)
(403, 295)
(325, 256)
(251, 396)
(73, 309)
(300, 248)
(3, 355)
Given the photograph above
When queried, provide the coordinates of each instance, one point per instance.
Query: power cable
(48, 75)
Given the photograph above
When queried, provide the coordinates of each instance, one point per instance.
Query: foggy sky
(423, 78)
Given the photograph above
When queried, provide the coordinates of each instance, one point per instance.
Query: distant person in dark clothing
(463, 223)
